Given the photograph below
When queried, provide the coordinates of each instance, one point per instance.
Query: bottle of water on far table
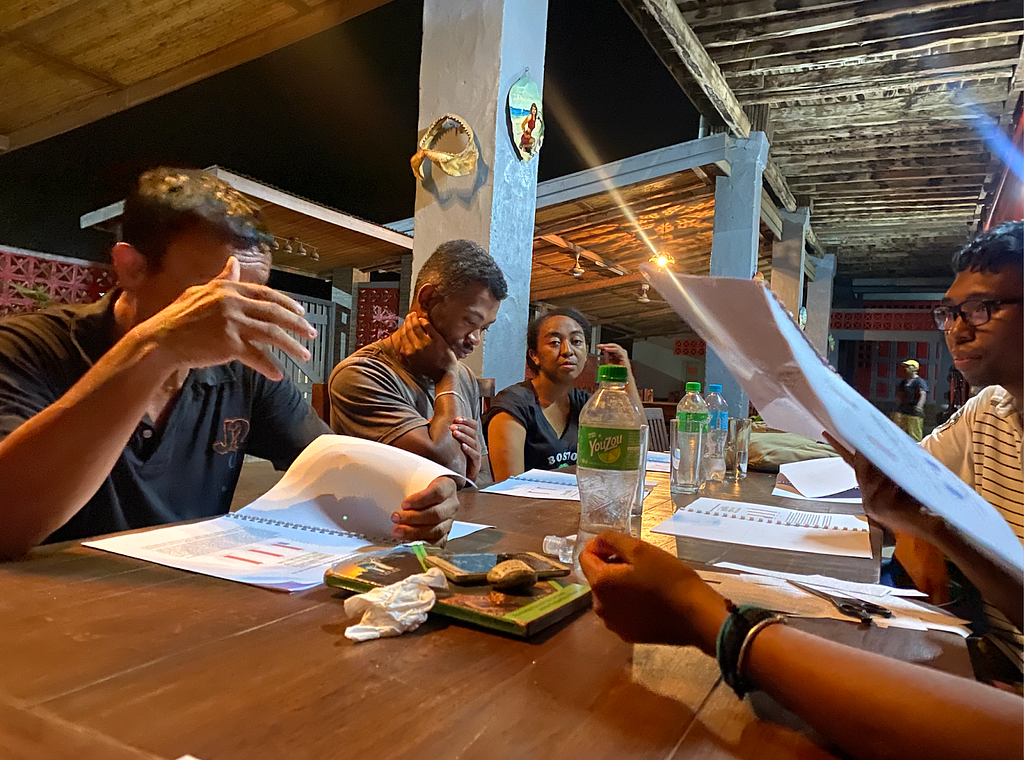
(691, 427)
(608, 458)
(718, 433)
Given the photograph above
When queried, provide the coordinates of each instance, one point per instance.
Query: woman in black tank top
(534, 424)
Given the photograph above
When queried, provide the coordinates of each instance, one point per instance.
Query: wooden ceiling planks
(675, 214)
(875, 112)
(65, 63)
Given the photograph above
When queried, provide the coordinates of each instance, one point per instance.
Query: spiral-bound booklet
(335, 501)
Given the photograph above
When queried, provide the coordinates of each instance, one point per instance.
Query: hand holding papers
(796, 391)
(336, 499)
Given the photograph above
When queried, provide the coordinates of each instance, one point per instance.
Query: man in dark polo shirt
(137, 410)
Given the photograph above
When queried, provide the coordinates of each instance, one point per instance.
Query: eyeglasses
(973, 313)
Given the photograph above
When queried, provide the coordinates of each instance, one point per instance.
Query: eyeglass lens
(973, 312)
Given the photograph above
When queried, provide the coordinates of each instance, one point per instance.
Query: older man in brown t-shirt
(411, 389)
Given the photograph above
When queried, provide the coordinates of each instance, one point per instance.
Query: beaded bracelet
(734, 639)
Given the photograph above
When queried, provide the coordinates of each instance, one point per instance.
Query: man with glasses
(983, 320)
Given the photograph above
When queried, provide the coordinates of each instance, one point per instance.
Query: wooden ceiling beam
(952, 23)
(586, 287)
(907, 154)
(739, 60)
(324, 16)
(691, 65)
(882, 15)
(918, 68)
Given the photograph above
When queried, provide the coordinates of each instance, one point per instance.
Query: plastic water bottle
(718, 433)
(691, 427)
(608, 458)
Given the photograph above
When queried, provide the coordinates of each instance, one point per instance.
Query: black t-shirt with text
(545, 450)
(185, 470)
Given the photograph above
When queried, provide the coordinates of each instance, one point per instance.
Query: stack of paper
(738, 522)
(828, 479)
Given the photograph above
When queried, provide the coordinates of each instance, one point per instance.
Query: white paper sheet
(738, 522)
(786, 489)
(657, 461)
(780, 595)
(816, 478)
(825, 582)
(795, 391)
(335, 499)
(546, 484)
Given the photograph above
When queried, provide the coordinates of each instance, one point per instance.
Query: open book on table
(334, 502)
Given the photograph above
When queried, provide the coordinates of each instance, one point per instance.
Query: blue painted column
(734, 241)
(473, 52)
(819, 304)
(788, 259)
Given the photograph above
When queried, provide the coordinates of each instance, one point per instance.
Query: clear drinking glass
(685, 450)
(737, 445)
(638, 498)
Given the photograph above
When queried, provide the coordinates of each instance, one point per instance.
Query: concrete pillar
(788, 259)
(472, 54)
(819, 303)
(405, 286)
(734, 242)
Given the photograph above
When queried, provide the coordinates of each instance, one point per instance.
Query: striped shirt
(982, 444)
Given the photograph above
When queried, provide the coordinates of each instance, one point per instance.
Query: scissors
(855, 608)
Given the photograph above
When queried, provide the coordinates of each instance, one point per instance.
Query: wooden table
(106, 657)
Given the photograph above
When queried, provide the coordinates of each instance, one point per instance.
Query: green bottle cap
(695, 387)
(614, 373)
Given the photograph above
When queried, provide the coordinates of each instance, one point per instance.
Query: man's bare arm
(52, 464)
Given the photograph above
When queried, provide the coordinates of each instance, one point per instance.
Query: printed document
(737, 522)
(334, 501)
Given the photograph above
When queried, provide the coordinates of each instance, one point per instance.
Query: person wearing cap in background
(910, 395)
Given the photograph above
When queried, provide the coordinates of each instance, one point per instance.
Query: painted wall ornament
(526, 117)
(454, 164)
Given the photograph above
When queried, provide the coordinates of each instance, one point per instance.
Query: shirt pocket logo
(235, 432)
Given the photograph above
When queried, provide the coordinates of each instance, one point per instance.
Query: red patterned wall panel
(376, 314)
(902, 349)
(881, 390)
(32, 281)
(690, 348)
(922, 350)
(901, 321)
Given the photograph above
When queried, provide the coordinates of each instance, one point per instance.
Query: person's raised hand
(428, 514)
(915, 525)
(616, 353)
(884, 501)
(422, 348)
(466, 431)
(645, 595)
(227, 320)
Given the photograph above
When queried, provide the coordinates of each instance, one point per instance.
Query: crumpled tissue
(393, 610)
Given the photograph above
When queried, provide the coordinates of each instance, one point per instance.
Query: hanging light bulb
(661, 259)
(643, 297)
(287, 247)
(275, 245)
(302, 250)
(315, 255)
(578, 270)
